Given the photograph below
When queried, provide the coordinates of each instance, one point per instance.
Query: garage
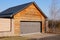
(30, 27)
(23, 19)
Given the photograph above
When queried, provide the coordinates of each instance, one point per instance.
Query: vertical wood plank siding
(31, 13)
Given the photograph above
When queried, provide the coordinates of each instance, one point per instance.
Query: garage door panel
(29, 27)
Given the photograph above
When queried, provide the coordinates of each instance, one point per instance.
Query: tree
(54, 14)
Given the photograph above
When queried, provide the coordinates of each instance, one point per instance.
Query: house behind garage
(22, 19)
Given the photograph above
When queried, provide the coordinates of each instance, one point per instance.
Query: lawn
(13, 38)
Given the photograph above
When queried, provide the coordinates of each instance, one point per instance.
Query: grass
(13, 38)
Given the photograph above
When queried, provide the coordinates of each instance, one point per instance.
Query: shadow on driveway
(56, 37)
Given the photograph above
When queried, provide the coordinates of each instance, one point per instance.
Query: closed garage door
(30, 27)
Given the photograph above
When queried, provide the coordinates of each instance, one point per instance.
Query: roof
(8, 13)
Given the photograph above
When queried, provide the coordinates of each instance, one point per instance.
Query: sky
(42, 4)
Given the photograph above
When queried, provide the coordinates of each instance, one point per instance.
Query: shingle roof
(13, 10)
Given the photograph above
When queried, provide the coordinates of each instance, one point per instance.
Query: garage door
(30, 27)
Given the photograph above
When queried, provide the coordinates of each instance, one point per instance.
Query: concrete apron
(37, 35)
(30, 34)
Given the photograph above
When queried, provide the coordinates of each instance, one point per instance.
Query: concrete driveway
(42, 36)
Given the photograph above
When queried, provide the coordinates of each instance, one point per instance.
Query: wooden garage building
(22, 19)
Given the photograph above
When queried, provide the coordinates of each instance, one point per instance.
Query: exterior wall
(43, 25)
(6, 29)
(4, 25)
(31, 13)
(47, 28)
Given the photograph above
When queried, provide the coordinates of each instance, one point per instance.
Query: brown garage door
(30, 27)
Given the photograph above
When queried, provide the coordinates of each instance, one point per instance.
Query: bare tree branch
(54, 13)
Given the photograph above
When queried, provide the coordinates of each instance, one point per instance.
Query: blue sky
(43, 4)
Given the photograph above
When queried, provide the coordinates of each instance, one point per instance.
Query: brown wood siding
(31, 13)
